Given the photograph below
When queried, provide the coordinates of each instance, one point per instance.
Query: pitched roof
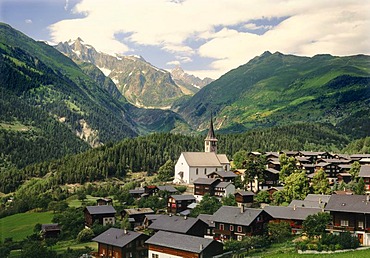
(183, 197)
(223, 184)
(116, 237)
(312, 153)
(224, 173)
(101, 209)
(223, 159)
(349, 203)
(318, 197)
(182, 242)
(297, 213)
(211, 132)
(135, 211)
(137, 191)
(202, 159)
(233, 215)
(177, 224)
(207, 219)
(50, 227)
(306, 204)
(205, 181)
(364, 171)
(168, 188)
(271, 170)
(245, 193)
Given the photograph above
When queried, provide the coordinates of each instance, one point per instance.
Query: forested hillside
(150, 152)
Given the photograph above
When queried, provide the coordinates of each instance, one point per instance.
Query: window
(344, 223)
(239, 238)
(222, 227)
(205, 171)
(361, 224)
(240, 229)
(231, 228)
(196, 171)
(155, 256)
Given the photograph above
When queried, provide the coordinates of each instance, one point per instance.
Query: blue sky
(204, 37)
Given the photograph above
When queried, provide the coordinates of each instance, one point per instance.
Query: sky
(206, 38)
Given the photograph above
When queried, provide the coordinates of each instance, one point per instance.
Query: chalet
(274, 189)
(273, 163)
(178, 224)
(137, 215)
(104, 201)
(224, 176)
(50, 230)
(365, 174)
(149, 219)
(292, 215)
(223, 189)
(290, 153)
(357, 157)
(311, 201)
(119, 243)
(103, 214)
(236, 222)
(150, 189)
(165, 245)
(365, 161)
(167, 188)
(179, 203)
(137, 192)
(193, 165)
(350, 213)
(244, 198)
(204, 186)
(272, 155)
(271, 177)
(314, 155)
(208, 219)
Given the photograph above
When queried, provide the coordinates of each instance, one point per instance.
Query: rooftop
(116, 237)
(233, 215)
(101, 209)
(295, 213)
(176, 224)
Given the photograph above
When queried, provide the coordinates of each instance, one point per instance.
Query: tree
(239, 159)
(166, 171)
(288, 166)
(279, 197)
(262, 197)
(208, 205)
(279, 232)
(360, 186)
(85, 235)
(355, 170)
(315, 225)
(125, 224)
(254, 169)
(229, 200)
(36, 249)
(296, 186)
(320, 183)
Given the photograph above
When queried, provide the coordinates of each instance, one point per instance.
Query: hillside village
(176, 232)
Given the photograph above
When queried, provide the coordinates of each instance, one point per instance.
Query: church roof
(223, 158)
(211, 133)
(202, 159)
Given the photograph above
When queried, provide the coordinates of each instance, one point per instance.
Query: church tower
(210, 142)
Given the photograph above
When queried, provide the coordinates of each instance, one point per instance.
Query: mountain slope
(140, 83)
(280, 89)
(188, 81)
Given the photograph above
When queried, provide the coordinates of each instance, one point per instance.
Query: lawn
(75, 203)
(21, 225)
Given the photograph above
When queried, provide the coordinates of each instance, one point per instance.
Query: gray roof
(183, 197)
(205, 181)
(233, 215)
(364, 171)
(349, 203)
(135, 211)
(152, 216)
(354, 156)
(168, 188)
(177, 224)
(207, 219)
(116, 237)
(50, 227)
(297, 213)
(224, 173)
(306, 204)
(223, 159)
(223, 184)
(136, 191)
(180, 241)
(272, 170)
(245, 193)
(312, 153)
(101, 209)
(318, 197)
(202, 159)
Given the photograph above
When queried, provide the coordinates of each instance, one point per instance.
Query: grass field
(75, 203)
(21, 225)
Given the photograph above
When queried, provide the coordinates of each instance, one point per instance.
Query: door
(360, 238)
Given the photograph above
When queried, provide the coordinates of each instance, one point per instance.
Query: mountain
(278, 89)
(141, 83)
(188, 81)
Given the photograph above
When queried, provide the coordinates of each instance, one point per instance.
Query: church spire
(210, 142)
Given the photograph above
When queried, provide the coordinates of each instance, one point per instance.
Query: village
(174, 232)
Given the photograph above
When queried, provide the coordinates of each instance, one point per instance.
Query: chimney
(185, 217)
(294, 207)
(200, 247)
(242, 209)
(319, 200)
(124, 231)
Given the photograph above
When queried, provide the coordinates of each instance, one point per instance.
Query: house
(137, 192)
(204, 186)
(103, 214)
(311, 201)
(236, 222)
(223, 189)
(208, 219)
(137, 215)
(292, 215)
(178, 224)
(179, 203)
(314, 155)
(119, 243)
(167, 188)
(50, 230)
(166, 244)
(149, 219)
(271, 177)
(150, 189)
(224, 176)
(104, 201)
(350, 213)
(365, 174)
(358, 157)
(244, 198)
(193, 165)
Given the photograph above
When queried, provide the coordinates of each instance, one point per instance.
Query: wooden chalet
(350, 213)
(365, 174)
(180, 224)
(103, 214)
(50, 230)
(137, 215)
(119, 243)
(204, 186)
(244, 198)
(236, 222)
(314, 155)
(167, 188)
(292, 215)
(166, 244)
(137, 192)
(358, 157)
(271, 177)
(104, 201)
(179, 203)
(151, 189)
(224, 176)
(208, 219)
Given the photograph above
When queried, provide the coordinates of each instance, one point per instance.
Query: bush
(85, 235)
(279, 232)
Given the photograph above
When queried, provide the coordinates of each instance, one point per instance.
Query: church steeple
(210, 142)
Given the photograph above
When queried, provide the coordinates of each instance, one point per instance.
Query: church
(193, 165)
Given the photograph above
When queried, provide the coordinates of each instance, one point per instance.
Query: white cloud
(312, 27)
(28, 21)
(173, 63)
(66, 5)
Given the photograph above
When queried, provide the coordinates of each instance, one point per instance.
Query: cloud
(66, 5)
(311, 27)
(173, 63)
(28, 21)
